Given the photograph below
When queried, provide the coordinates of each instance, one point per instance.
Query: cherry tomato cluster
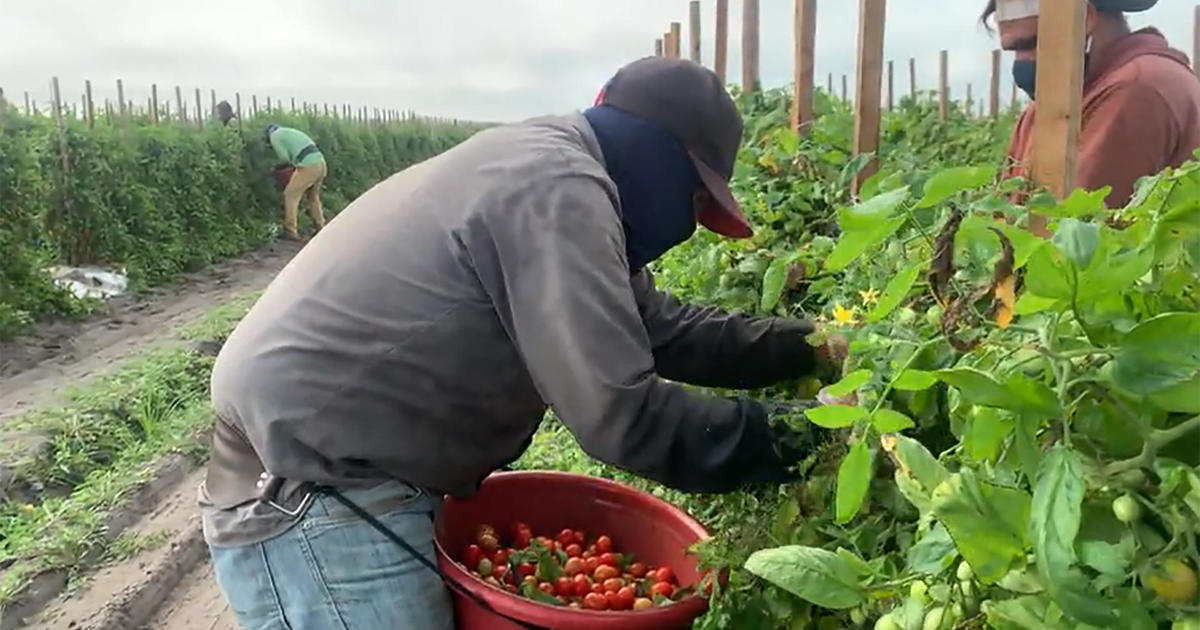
(569, 570)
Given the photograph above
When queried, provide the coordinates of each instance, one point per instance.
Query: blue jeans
(333, 571)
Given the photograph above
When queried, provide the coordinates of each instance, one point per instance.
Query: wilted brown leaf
(1004, 284)
(942, 268)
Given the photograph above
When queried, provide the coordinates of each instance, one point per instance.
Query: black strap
(429, 564)
(305, 152)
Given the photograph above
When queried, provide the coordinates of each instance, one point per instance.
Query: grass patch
(128, 545)
(98, 447)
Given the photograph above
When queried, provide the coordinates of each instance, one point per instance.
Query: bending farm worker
(1141, 101)
(413, 347)
(299, 154)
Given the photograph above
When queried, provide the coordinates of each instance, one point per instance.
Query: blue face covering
(1025, 75)
(655, 179)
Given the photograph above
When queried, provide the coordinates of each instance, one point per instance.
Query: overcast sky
(480, 59)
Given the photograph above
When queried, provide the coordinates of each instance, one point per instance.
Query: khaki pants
(306, 181)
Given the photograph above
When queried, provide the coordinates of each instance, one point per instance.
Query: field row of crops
(160, 199)
(1015, 442)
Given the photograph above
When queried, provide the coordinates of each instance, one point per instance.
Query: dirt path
(59, 354)
(196, 604)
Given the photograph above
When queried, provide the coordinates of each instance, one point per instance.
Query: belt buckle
(269, 486)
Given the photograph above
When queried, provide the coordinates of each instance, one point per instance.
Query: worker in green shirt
(299, 153)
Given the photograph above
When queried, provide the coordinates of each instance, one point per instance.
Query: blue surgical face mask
(1025, 75)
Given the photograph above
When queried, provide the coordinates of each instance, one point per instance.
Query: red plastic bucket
(655, 531)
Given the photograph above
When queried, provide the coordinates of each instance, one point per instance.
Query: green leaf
(985, 432)
(849, 383)
(1023, 613)
(773, 283)
(914, 381)
(812, 574)
(546, 569)
(891, 421)
(912, 457)
(988, 523)
(1181, 398)
(934, 553)
(1081, 203)
(1019, 393)
(1107, 558)
(855, 243)
(1053, 525)
(1046, 274)
(1159, 353)
(531, 591)
(1030, 304)
(949, 182)
(835, 416)
(894, 293)
(862, 567)
(854, 479)
(867, 215)
(1078, 241)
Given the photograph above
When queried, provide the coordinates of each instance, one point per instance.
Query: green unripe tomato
(858, 617)
(1187, 624)
(934, 618)
(895, 250)
(968, 589)
(485, 567)
(1132, 478)
(1126, 509)
(933, 316)
(965, 574)
(919, 591)
(906, 316)
(887, 622)
(956, 613)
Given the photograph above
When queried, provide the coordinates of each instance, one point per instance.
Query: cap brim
(724, 216)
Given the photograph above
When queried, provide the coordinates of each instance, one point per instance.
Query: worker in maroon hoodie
(1141, 101)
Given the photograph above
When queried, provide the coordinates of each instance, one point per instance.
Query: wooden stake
(90, 110)
(994, 106)
(694, 31)
(667, 43)
(179, 104)
(658, 47)
(845, 89)
(1061, 35)
(891, 85)
(237, 106)
(293, 104)
(829, 85)
(1196, 41)
(912, 79)
(944, 86)
(28, 108)
(676, 40)
(199, 110)
(60, 126)
(721, 51)
(750, 80)
(154, 103)
(970, 105)
(806, 43)
(212, 102)
(3, 108)
(872, 16)
(122, 110)
(253, 104)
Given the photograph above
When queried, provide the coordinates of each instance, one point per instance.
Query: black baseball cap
(689, 101)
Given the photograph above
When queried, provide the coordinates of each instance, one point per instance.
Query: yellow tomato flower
(843, 316)
(870, 296)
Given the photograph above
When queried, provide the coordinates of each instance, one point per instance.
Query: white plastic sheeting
(90, 282)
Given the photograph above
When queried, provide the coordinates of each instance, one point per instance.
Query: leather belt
(305, 152)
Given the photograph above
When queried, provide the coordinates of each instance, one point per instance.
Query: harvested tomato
(587, 553)
(628, 595)
(484, 568)
(664, 574)
(597, 587)
(575, 566)
(499, 570)
(500, 556)
(614, 601)
(472, 556)
(488, 543)
(580, 537)
(565, 537)
(662, 588)
(604, 571)
(608, 558)
(525, 569)
(604, 544)
(643, 603)
(564, 586)
(612, 585)
(595, 601)
(591, 564)
(583, 585)
(637, 570)
(546, 588)
(573, 550)
(522, 539)
(529, 579)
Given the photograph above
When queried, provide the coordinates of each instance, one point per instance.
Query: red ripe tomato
(525, 569)
(546, 588)
(591, 564)
(582, 584)
(522, 539)
(580, 537)
(472, 556)
(565, 537)
(499, 570)
(664, 574)
(604, 572)
(637, 570)
(592, 549)
(575, 566)
(614, 601)
(612, 585)
(609, 559)
(574, 550)
(662, 588)
(564, 586)
(628, 595)
(598, 588)
(587, 553)
(595, 601)
(500, 556)
(604, 544)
